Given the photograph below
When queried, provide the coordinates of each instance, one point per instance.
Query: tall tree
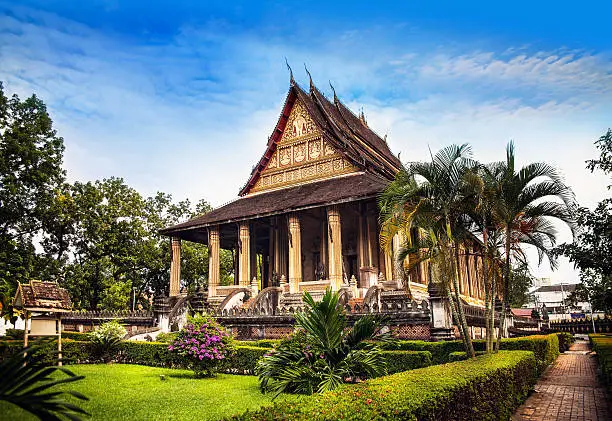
(592, 250)
(431, 197)
(30, 170)
(527, 204)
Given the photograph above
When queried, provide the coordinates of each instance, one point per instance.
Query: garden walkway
(568, 391)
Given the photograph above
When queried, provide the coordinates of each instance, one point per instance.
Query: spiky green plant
(29, 384)
(323, 352)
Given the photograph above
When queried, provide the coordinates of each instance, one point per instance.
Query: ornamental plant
(202, 343)
(106, 339)
(324, 351)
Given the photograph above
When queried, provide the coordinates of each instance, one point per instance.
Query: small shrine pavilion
(42, 304)
(307, 217)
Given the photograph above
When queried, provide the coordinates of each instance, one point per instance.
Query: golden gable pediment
(302, 155)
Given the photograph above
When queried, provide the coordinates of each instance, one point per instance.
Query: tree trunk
(456, 320)
(491, 337)
(485, 275)
(506, 282)
(464, 326)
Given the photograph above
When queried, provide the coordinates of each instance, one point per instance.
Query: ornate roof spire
(291, 79)
(312, 87)
(336, 100)
(362, 117)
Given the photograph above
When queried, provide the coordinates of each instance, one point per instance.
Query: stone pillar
(175, 266)
(295, 253)
(335, 246)
(214, 266)
(441, 317)
(388, 265)
(244, 255)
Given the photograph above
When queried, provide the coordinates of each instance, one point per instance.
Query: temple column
(388, 265)
(244, 255)
(334, 247)
(175, 266)
(214, 266)
(362, 238)
(295, 253)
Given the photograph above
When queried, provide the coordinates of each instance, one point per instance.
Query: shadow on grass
(190, 376)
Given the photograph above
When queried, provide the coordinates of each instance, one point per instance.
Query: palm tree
(526, 205)
(432, 197)
(324, 352)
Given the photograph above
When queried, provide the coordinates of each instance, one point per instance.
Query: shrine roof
(42, 296)
(336, 190)
(348, 133)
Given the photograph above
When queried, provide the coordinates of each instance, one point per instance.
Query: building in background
(555, 299)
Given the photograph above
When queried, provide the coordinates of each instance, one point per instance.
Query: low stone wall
(84, 321)
(602, 325)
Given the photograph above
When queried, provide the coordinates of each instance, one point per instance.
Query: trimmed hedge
(461, 356)
(75, 336)
(262, 343)
(602, 345)
(131, 352)
(545, 347)
(489, 387)
(439, 350)
(398, 361)
(566, 340)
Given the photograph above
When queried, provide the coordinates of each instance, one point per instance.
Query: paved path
(568, 391)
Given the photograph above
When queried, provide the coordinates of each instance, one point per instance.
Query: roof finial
(362, 117)
(291, 79)
(334, 91)
(312, 87)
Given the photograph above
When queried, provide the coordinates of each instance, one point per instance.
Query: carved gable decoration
(301, 155)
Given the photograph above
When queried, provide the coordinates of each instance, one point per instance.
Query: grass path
(133, 392)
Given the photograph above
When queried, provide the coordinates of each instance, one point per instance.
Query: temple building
(307, 217)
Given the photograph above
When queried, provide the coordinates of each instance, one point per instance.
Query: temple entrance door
(352, 266)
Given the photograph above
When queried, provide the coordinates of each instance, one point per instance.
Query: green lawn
(133, 392)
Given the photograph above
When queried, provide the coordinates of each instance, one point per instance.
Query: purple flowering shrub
(203, 344)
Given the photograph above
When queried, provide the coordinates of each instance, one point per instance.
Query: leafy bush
(323, 352)
(166, 338)
(106, 338)
(566, 339)
(488, 387)
(202, 343)
(602, 345)
(244, 360)
(15, 333)
(75, 336)
(398, 361)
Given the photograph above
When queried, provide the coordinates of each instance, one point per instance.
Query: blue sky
(181, 96)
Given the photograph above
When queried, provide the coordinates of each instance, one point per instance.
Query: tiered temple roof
(42, 296)
(367, 165)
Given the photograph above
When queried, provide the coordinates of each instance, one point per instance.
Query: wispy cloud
(191, 113)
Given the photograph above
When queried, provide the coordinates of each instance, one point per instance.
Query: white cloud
(192, 115)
